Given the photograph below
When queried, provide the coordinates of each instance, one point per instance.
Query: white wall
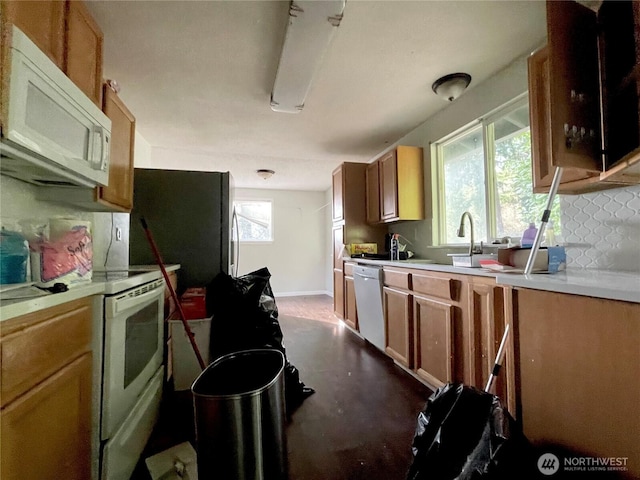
(297, 257)
(473, 104)
(328, 221)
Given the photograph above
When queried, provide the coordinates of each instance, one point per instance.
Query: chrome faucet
(472, 248)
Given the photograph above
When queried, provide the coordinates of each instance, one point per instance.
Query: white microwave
(54, 135)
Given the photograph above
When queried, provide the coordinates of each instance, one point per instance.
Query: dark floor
(358, 425)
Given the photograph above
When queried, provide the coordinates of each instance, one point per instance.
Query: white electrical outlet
(118, 234)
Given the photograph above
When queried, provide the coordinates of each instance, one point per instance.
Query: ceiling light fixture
(265, 173)
(451, 86)
(312, 23)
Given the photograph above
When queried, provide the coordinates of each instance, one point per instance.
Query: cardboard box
(194, 303)
(356, 248)
(548, 259)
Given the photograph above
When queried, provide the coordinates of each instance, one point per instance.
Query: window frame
(486, 124)
(255, 200)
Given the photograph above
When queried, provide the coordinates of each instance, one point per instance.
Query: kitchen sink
(472, 261)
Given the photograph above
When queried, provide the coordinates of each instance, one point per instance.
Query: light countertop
(423, 265)
(623, 286)
(14, 308)
(613, 285)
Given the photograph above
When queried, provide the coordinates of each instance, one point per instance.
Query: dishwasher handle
(368, 273)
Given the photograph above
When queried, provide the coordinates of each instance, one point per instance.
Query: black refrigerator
(191, 217)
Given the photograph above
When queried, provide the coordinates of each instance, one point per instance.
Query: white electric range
(128, 357)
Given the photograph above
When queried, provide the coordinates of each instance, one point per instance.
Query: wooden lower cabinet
(338, 293)
(489, 308)
(398, 323)
(46, 383)
(350, 310)
(447, 327)
(579, 382)
(46, 432)
(434, 340)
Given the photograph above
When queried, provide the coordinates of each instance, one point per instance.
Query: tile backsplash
(602, 229)
(18, 201)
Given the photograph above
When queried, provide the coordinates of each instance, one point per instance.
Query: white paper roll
(61, 226)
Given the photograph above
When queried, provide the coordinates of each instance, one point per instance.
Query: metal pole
(498, 363)
(545, 219)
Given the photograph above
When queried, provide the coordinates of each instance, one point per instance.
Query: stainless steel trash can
(239, 408)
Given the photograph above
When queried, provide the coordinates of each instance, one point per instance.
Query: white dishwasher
(368, 285)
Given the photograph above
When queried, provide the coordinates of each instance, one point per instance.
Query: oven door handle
(124, 303)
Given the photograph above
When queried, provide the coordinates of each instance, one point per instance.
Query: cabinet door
(434, 334)
(338, 246)
(36, 345)
(540, 118)
(42, 22)
(119, 192)
(350, 310)
(388, 186)
(83, 50)
(338, 192)
(619, 23)
(372, 177)
(46, 433)
(338, 293)
(574, 92)
(398, 320)
(486, 324)
(573, 348)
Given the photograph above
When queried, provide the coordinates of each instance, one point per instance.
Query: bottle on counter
(549, 235)
(14, 257)
(529, 236)
(395, 247)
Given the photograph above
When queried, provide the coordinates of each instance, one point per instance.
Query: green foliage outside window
(496, 190)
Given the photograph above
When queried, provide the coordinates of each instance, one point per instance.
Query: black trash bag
(245, 316)
(464, 433)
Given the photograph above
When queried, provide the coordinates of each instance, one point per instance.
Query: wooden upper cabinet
(543, 168)
(372, 176)
(42, 21)
(338, 198)
(574, 90)
(388, 181)
(400, 186)
(84, 40)
(119, 193)
(584, 97)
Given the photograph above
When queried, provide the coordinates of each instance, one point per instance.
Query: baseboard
(301, 294)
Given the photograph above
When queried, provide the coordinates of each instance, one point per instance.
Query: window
(486, 170)
(254, 220)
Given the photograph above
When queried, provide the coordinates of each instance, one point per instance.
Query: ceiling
(198, 75)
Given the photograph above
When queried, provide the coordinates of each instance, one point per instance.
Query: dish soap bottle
(549, 235)
(529, 236)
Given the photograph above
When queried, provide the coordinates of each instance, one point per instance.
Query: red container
(193, 303)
